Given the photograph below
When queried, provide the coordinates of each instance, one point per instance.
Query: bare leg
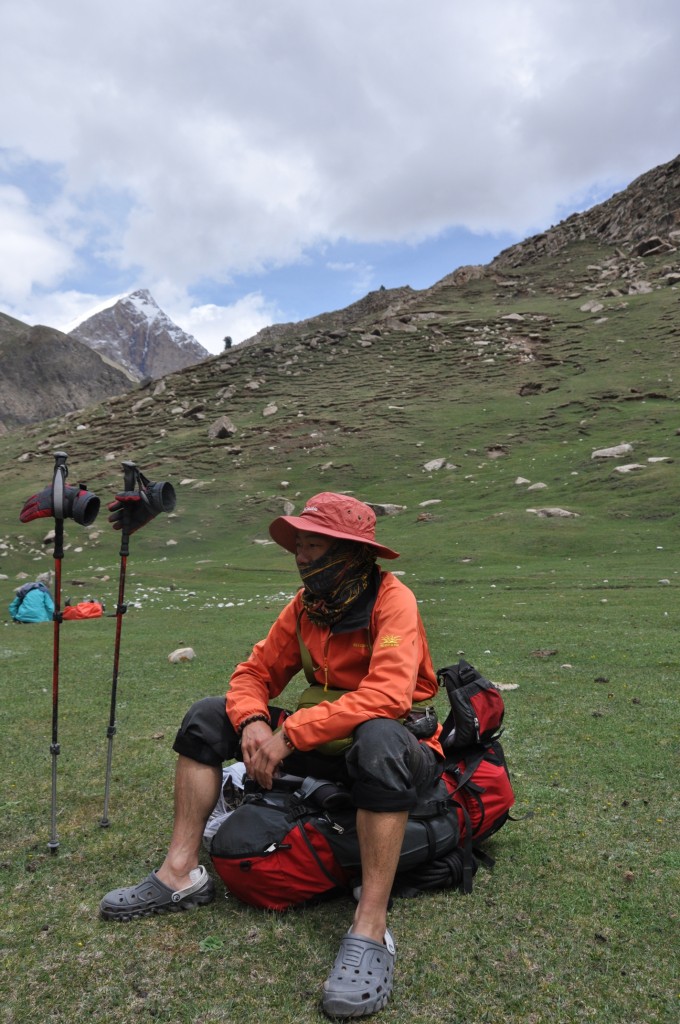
(380, 839)
(197, 787)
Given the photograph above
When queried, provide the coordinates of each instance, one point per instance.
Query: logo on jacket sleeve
(389, 640)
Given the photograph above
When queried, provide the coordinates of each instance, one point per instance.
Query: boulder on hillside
(222, 427)
(616, 452)
(651, 246)
(382, 509)
(554, 513)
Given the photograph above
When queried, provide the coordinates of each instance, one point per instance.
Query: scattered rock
(270, 410)
(537, 487)
(553, 512)
(182, 654)
(222, 427)
(640, 288)
(143, 403)
(629, 468)
(616, 452)
(381, 509)
(650, 246)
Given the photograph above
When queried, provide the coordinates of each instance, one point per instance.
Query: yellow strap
(307, 663)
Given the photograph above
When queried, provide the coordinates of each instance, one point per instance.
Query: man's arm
(265, 674)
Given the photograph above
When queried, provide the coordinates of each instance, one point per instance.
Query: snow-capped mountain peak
(135, 332)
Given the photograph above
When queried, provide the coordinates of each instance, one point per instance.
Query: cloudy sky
(265, 161)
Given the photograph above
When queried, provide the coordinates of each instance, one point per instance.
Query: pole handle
(58, 487)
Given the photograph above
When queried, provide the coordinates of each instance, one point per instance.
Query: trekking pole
(60, 502)
(129, 475)
(138, 503)
(58, 488)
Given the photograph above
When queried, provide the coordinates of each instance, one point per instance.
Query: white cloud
(210, 324)
(29, 255)
(359, 274)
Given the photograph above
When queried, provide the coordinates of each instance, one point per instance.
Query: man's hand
(263, 751)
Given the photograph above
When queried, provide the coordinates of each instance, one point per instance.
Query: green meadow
(578, 920)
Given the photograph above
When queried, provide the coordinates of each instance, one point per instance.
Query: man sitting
(357, 630)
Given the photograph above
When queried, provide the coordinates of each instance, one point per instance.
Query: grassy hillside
(501, 382)
(502, 374)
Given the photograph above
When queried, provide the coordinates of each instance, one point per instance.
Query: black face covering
(334, 581)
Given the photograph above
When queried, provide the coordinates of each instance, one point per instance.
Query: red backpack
(476, 772)
(297, 842)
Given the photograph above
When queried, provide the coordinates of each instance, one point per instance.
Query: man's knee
(388, 766)
(206, 734)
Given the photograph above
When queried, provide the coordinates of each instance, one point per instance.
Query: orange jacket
(381, 683)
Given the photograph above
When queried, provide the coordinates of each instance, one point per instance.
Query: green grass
(575, 923)
(578, 919)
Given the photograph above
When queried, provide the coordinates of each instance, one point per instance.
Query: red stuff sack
(83, 610)
(477, 708)
(482, 792)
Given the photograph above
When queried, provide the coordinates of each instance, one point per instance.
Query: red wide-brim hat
(331, 515)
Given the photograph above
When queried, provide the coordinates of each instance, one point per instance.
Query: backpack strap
(307, 663)
(470, 854)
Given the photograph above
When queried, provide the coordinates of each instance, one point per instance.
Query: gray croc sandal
(151, 896)
(361, 980)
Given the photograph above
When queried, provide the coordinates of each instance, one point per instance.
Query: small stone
(182, 654)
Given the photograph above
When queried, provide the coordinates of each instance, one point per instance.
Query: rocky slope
(44, 373)
(642, 219)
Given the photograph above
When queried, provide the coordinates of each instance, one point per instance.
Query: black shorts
(386, 768)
